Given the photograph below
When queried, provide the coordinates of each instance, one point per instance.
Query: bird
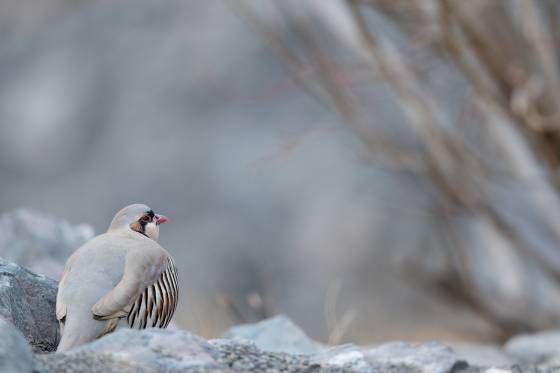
(121, 278)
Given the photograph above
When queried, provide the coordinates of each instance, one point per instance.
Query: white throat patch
(152, 231)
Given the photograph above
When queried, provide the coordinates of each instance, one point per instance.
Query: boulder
(130, 350)
(432, 357)
(40, 242)
(536, 348)
(483, 354)
(28, 301)
(245, 356)
(277, 334)
(347, 358)
(27, 312)
(15, 353)
(159, 350)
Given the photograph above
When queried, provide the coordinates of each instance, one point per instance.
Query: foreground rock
(27, 301)
(483, 354)
(40, 242)
(128, 350)
(428, 357)
(540, 348)
(27, 304)
(277, 334)
(157, 350)
(15, 353)
(280, 334)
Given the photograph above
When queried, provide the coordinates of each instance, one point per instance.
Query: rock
(277, 334)
(130, 350)
(40, 242)
(160, 350)
(15, 353)
(432, 357)
(27, 303)
(483, 354)
(243, 356)
(537, 348)
(280, 335)
(348, 358)
(28, 300)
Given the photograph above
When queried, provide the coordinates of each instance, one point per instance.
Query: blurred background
(382, 169)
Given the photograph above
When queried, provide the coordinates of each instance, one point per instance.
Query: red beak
(161, 219)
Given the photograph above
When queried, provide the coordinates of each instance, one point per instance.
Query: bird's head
(139, 218)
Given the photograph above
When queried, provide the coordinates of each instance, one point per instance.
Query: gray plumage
(120, 278)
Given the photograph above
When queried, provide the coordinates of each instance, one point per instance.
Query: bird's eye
(145, 218)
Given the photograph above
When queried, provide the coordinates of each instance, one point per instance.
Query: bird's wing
(155, 305)
(147, 293)
(60, 305)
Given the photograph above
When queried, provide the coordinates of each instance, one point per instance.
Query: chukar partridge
(120, 278)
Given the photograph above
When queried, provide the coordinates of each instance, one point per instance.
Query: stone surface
(346, 357)
(483, 354)
(28, 300)
(40, 242)
(432, 357)
(277, 334)
(15, 353)
(153, 350)
(156, 350)
(247, 357)
(537, 348)
(27, 304)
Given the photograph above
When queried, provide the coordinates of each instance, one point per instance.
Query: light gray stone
(483, 354)
(39, 241)
(28, 301)
(152, 350)
(348, 358)
(431, 357)
(537, 348)
(15, 353)
(277, 334)
(244, 356)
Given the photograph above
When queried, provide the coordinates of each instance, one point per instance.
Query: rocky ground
(29, 331)
(29, 334)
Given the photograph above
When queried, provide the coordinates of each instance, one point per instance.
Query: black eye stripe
(146, 218)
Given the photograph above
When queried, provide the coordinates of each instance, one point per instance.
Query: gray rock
(537, 348)
(483, 354)
(40, 242)
(432, 357)
(243, 356)
(15, 353)
(128, 350)
(277, 334)
(348, 358)
(28, 300)
(157, 350)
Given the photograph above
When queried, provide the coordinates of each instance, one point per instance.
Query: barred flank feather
(155, 306)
